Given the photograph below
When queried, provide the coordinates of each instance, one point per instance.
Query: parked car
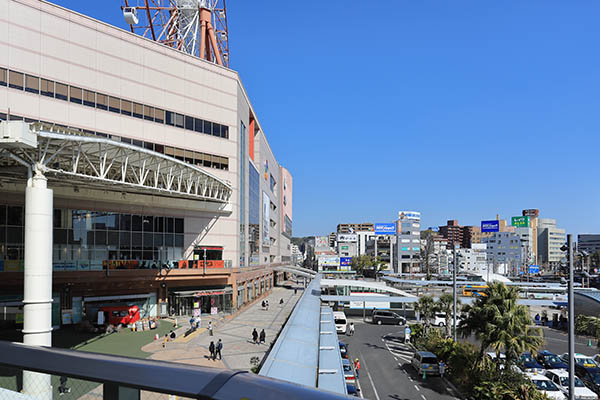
(341, 323)
(349, 375)
(343, 349)
(387, 317)
(596, 358)
(528, 364)
(580, 359)
(550, 360)
(425, 362)
(590, 376)
(351, 389)
(560, 378)
(440, 319)
(545, 385)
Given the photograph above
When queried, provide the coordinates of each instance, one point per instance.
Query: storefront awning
(207, 292)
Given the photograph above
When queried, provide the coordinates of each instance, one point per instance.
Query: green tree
(426, 309)
(500, 323)
(445, 305)
(365, 261)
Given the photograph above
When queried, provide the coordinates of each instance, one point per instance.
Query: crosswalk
(395, 345)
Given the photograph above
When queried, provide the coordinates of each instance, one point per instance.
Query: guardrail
(48, 370)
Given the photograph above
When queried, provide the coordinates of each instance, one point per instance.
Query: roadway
(385, 371)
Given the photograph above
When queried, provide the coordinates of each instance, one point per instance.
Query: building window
(75, 95)
(207, 127)
(125, 107)
(32, 84)
(102, 101)
(159, 115)
(169, 118)
(138, 110)
(189, 123)
(114, 104)
(15, 80)
(3, 77)
(179, 120)
(149, 113)
(198, 125)
(47, 88)
(89, 98)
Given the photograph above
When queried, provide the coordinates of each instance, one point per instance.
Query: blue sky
(460, 110)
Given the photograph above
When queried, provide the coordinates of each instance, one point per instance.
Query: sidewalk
(235, 333)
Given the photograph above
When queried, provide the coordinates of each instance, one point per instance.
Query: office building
(504, 253)
(588, 242)
(550, 240)
(353, 228)
(456, 234)
(133, 242)
(473, 259)
(408, 242)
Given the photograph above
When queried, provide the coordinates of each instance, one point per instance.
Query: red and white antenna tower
(197, 27)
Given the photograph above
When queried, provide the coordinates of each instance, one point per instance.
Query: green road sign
(520, 222)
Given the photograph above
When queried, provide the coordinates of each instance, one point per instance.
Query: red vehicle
(124, 315)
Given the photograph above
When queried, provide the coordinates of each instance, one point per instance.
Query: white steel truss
(87, 160)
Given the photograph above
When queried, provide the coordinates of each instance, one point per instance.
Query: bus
(474, 290)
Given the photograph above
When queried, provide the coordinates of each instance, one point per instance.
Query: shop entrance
(208, 301)
(212, 253)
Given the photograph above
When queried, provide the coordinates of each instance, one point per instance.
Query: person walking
(210, 328)
(165, 340)
(263, 304)
(211, 348)
(407, 332)
(219, 348)
(262, 336)
(281, 301)
(62, 389)
(351, 329)
(267, 304)
(356, 367)
(192, 323)
(255, 336)
(442, 369)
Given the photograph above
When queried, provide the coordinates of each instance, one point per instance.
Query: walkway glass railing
(46, 373)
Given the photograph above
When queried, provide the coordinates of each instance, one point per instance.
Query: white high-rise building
(550, 240)
(408, 243)
(504, 252)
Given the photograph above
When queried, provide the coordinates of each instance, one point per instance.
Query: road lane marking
(423, 397)
(359, 389)
(417, 387)
(369, 376)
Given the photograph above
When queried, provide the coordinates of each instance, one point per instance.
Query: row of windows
(188, 156)
(61, 91)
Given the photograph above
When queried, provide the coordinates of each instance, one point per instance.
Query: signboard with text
(520, 222)
(534, 269)
(385, 228)
(347, 237)
(345, 261)
(490, 226)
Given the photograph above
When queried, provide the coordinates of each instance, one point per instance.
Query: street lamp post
(571, 321)
(204, 265)
(454, 267)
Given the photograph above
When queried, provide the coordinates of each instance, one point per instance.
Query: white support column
(37, 298)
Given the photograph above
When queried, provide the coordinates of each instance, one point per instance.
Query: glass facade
(86, 239)
(253, 214)
(242, 164)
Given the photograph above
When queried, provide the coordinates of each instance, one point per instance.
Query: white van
(340, 321)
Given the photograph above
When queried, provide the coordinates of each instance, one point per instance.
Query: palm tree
(499, 322)
(426, 309)
(445, 305)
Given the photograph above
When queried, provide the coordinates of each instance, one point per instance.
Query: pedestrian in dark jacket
(212, 349)
(219, 348)
(262, 336)
(255, 336)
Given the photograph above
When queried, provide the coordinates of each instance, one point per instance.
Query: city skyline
(459, 115)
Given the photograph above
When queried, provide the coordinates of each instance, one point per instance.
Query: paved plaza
(235, 333)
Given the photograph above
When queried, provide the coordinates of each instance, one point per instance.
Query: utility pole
(571, 320)
(454, 292)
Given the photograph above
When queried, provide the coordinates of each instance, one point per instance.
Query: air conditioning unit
(130, 15)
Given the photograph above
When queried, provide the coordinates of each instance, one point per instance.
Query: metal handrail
(153, 375)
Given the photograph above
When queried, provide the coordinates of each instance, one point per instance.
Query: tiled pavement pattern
(235, 332)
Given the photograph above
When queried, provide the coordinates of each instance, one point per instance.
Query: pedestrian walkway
(235, 333)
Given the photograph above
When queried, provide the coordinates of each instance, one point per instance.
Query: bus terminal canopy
(70, 157)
